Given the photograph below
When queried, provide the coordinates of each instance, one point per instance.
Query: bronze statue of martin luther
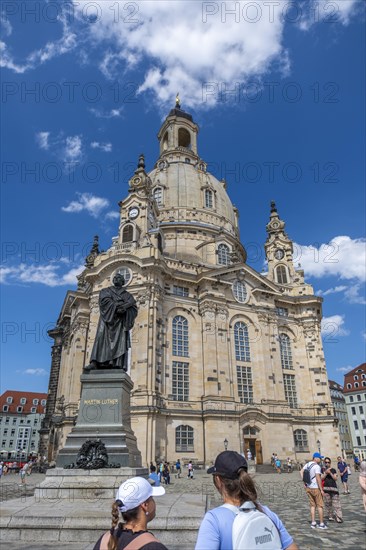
(118, 311)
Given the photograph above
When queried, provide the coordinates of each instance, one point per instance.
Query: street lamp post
(318, 444)
(226, 443)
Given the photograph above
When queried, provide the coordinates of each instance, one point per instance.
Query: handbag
(349, 471)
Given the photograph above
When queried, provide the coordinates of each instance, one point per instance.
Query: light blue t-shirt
(216, 529)
(156, 478)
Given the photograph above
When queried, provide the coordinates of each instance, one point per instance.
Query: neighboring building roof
(335, 386)
(27, 406)
(355, 380)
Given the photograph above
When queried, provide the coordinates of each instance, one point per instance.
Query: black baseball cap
(228, 464)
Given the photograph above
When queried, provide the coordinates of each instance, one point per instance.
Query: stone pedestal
(104, 414)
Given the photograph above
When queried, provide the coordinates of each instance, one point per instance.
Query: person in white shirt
(315, 491)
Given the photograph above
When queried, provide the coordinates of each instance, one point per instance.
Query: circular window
(162, 165)
(239, 291)
(126, 273)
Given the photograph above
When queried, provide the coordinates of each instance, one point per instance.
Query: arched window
(363, 383)
(356, 384)
(180, 336)
(184, 439)
(208, 198)
(223, 254)
(285, 350)
(165, 141)
(127, 234)
(241, 337)
(301, 440)
(281, 275)
(184, 138)
(355, 377)
(239, 291)
(349, 386)
(158, 195)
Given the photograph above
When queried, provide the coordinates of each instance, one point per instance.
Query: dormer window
(23, 400)
(19, 409)
(355, 377)
(184, 138)
(208, 198)
(158, 195)
(349, 386)
(33, 410)
(35, 401)
(43, 402)
(223, 254)
(356, 384)
(281, 275)
(5, 408)
(9, 400)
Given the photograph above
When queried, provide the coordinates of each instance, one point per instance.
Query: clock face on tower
(133, 213)
(279, 254)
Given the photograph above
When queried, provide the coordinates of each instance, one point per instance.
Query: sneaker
(331, 519)
(313, 525)
(348, 493)
(322, 526)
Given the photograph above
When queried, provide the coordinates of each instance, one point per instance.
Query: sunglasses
(326, 461)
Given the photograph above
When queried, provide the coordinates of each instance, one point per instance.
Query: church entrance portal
(253, 443)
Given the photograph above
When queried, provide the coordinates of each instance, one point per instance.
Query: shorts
(344, 478)
(315, 497)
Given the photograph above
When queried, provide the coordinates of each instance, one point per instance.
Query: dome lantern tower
(178, 133)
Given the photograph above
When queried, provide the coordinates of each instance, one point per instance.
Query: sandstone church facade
(221, 355)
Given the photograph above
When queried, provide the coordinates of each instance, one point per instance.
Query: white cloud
(334, 290)
(342, 257)
(43, 274)
(112, 215)
(106, 147)
(113, 113)
(353, 295)
(333, 327)
(73, 149)
(42, 139)
(65, 44)
(318, 11)
(345, 369)
(36, 372)
(88, 202)
(363, 334)
(197, 47)
(5, 24)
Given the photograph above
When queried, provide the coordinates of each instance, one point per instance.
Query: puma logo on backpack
(253, 529)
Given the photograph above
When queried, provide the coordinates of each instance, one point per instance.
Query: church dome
(182, 187)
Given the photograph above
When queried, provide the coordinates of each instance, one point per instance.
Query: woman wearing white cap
(135, 501)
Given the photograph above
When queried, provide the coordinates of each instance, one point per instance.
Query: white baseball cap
(135, 491)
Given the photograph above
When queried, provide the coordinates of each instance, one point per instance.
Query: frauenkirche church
(219, 352)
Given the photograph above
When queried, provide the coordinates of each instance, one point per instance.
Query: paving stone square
(283, 493)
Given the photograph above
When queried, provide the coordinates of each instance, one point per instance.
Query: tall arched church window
(223, 254)
(281, 275)
(184, 138)
(285, 350)
(241, 337)
(158, 195)
(301, 440)
(127, 233)
(180, 336)
(290, 390)
(165, 141)
(184, 439)
(208, 198)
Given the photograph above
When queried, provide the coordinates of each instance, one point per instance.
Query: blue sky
(278, 94)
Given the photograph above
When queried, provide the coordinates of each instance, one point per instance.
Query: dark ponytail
(242, 488)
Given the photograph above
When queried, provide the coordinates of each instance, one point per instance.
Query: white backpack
(253, 529)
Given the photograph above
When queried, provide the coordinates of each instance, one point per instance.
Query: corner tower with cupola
(219, 351)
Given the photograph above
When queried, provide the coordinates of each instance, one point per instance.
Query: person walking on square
(190, 470)
(278, 465)
(314, 490)
(153, 477)
(249, 454)
(135, 501)
(236, 487)
(343, 471)
(332, 503)
(178, 468)
(362, 481)
(289, 465)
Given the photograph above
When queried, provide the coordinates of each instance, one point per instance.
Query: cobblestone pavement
(283, 493)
